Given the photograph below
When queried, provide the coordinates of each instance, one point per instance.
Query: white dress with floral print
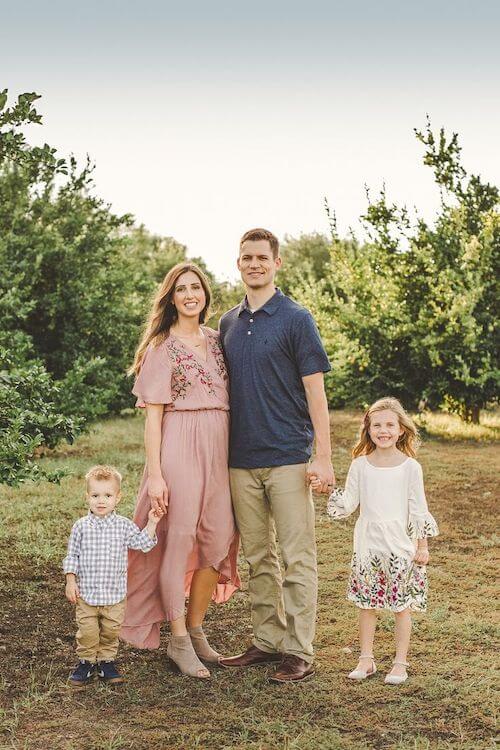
(393, 514)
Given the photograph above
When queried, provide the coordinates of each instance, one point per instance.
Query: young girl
(390, 536)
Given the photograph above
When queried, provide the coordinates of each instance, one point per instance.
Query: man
(276, 363)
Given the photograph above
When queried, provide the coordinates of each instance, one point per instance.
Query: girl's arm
(157, 488)
(344, 502)
(421, 524)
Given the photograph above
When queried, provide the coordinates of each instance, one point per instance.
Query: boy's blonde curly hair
(102, 471)
(408, 442)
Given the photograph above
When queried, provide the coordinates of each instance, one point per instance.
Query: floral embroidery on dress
(183, 362)
(394, 583)
(180, 382)
(334, 506)
(216, 349)
(422, 527)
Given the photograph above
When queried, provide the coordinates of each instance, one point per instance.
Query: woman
(182, 383)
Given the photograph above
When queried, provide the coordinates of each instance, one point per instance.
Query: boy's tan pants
(274, 502)
(98, 628)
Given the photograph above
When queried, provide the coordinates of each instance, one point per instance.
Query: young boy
(96, 574)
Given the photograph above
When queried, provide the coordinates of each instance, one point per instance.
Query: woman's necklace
(191, 340)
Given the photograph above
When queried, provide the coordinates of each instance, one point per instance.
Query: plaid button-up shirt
(97, 555)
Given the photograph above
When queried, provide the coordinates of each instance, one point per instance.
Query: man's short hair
(102, 471)
(253, 235)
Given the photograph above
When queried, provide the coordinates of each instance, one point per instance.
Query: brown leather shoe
(250, 658)
(293, 669)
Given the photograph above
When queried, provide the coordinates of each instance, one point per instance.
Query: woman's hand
(158, 494)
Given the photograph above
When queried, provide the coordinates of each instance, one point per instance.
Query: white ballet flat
(361, 674)
(396, 679)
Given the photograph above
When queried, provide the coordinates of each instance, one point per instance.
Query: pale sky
(206, 119)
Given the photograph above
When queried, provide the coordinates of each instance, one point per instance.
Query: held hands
(321, 476)
(158, 494)
(154, 515)
(72, 591)
(315, 482)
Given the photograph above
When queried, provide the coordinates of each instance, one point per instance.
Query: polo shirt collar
(270, 307)
(106, 521)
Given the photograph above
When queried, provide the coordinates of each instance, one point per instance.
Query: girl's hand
(72, 591)
(314, 482)
(158, 494)
(421, 556)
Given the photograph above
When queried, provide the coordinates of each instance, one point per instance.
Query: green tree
(413, 311)
(29, 413)
(306, 256)
(453, 269)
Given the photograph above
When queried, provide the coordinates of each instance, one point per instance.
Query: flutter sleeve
(421, 523)
(153, 383)
(343, 502)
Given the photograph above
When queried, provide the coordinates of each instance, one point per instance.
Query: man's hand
(72, 591)
(321, 473)
(158, 494)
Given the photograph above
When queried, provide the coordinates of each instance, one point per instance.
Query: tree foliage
(413, 310)
(75, 281)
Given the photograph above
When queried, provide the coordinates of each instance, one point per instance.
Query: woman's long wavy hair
(164, 313)
(408, 441)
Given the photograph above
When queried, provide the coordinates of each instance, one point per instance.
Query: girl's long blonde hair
(164, 313)
(407, 443)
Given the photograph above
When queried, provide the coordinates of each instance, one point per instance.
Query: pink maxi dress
(199, 529)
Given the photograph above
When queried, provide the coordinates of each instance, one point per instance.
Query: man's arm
(321, 465)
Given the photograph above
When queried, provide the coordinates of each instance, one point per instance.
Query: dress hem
(412, 605)
(229, 589)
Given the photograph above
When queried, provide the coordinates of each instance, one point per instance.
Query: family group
(231, 417)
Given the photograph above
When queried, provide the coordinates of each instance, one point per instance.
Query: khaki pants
(98, 628)
(274, 502)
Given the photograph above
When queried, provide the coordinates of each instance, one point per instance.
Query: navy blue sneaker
(82, 674)
(107, 671)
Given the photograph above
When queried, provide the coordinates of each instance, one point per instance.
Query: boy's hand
(155, 514)
(72, 590)
(421, 556)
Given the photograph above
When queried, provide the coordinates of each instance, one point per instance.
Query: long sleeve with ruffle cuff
(422, 525)
(343, 502)
(335, 506)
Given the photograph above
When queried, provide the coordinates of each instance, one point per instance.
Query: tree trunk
(471, 413)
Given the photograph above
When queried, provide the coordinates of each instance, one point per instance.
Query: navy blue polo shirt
(267, 353)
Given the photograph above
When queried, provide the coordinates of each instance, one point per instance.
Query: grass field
(449, 701)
